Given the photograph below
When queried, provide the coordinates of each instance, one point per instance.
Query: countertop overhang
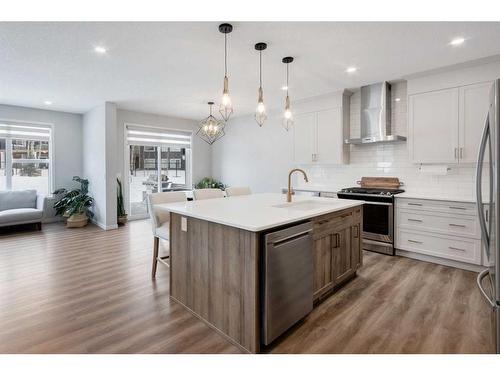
(256, 212)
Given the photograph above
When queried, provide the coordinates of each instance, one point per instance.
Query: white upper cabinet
(445, 126)
(319, 135)
(433, 126)
(304, 130)
(474, 101)
(330, 137)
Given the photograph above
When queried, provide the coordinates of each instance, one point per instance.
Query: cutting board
(380, 182)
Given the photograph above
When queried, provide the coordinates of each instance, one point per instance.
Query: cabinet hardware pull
(417, 220)
(457, 225)
(344, 216)
(337, 240)
(323, 222)
(487, 216)
(455, 248)
(457, 208)
(456, 153)
(413, 241)
(414, 204)
(461, 153)
(356, 231)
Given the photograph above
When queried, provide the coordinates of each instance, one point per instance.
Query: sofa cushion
(20, 215)
(17, 199)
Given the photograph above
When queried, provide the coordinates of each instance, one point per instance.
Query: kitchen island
(217, 251)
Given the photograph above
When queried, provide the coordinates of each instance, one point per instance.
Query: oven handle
(379, 203)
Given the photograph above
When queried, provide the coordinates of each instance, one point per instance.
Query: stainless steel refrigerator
(488, 205)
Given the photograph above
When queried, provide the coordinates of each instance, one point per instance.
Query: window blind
(147, 136)
(25, 131)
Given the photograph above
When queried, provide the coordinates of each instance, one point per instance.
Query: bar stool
(238, 190)
(160, 221)
(199, 194)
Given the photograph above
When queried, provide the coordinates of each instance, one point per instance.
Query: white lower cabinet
(443, 229)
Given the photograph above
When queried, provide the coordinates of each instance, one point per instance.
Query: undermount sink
(305, 205)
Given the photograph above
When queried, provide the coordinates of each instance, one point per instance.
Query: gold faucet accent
(289, 193)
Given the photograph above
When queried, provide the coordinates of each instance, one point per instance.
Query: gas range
(378, 211)
(371, 191)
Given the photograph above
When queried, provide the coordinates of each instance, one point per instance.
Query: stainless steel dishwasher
(288, 279)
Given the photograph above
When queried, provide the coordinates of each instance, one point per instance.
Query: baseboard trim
(103, 226)
(442, 261)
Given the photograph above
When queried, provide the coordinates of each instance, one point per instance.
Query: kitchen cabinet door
(356, 256)
(304, 131)
(342, 260)
(322, 280)
(474, 101)
(433, 126)
(330, 137)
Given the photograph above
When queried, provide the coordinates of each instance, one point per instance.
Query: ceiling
(174, 68)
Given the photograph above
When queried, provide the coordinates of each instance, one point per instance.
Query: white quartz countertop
(414, 194)
(466, 198)
(258, 212)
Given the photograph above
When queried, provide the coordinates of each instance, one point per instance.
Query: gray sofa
(21, 207)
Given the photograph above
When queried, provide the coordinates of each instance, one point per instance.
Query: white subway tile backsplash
(390, 159)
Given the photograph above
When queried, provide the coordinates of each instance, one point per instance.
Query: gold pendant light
(287, 114)
(226, 107)
(260, 112)
(210, 129)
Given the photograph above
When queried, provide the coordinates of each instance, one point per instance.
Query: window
(25, 157)
(159, 160)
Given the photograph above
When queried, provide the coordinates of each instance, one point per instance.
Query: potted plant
(121, 214)
(209, 183)
(74, 204)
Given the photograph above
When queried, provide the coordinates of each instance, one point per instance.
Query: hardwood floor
(90, 291)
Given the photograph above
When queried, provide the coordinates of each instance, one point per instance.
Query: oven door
(378, 221)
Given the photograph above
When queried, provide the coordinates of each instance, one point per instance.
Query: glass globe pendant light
(260, 112)
(210, 129)
(287, 114)
(226, 107)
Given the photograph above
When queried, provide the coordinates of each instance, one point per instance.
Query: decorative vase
(77, 221)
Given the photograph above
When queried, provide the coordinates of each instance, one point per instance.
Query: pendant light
(260, 112)
(226, 107)
(287, 114)
(210, 129)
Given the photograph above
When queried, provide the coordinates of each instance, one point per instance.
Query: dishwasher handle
(294, 236)
(288, 234)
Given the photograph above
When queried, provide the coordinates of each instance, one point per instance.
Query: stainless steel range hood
(376, 116)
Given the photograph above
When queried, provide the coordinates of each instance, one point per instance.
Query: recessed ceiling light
(457, 41)
(47, 102)
(100, 50)
(284, 88)
(351, 69)
(397, 99)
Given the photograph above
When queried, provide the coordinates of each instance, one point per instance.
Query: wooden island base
(214, 269)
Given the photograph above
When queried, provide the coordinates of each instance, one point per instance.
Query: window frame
(9, 160)
(126, 147)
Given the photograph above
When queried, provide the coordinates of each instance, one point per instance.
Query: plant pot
(122, 220)
(77, 221)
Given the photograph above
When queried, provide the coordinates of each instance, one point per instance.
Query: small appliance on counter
(378, 211)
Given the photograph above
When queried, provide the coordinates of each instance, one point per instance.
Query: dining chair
(160, 221)
(199, 194)
(238, 190)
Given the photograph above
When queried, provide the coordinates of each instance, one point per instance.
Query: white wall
(67, 139)
(94, 159)
(251, 156)
(201, 152)
(99, 162)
